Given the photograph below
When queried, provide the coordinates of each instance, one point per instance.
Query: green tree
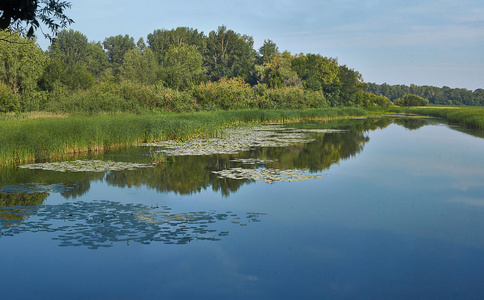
(98, 64)
(161, 40)
(317, 72)
(182, 66)
(267, 51)
(411, 100)
(140, 66)
(116, 47)
(277, 72)
(21, 63)
(230, 54)
(344, 90)
(71, 47)
(70, 58)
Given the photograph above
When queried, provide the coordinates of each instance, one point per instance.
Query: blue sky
(398, 42)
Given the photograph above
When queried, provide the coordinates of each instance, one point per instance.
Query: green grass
(472, 117)
(28, 140)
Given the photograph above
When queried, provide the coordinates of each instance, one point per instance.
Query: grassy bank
(472, 117)
(25, 140)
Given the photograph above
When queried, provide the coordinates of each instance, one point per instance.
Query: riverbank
(24, 139)
(469, 116)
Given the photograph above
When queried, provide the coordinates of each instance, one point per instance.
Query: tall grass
(472, 117)
(28, 140)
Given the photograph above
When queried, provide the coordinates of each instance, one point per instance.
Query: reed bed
(30, 140)
(469, 116)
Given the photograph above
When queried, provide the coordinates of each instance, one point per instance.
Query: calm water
(398, 213)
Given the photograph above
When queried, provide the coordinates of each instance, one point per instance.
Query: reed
(472, 117)
(26, 140)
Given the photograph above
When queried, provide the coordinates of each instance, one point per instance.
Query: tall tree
(140, 65)
(317, 71)
(183, 66)
(344, 90)
(71, 47)
(116, 47)
(69, 55)
(161, 40)
(277, 72)
(230, 54)
(98, 63)
(267, 51)
(21, 62)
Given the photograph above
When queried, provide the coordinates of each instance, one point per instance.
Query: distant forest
(435, 95)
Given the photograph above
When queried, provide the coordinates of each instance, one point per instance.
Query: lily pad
(86, 166)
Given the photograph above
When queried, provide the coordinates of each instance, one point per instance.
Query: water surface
(396, 212)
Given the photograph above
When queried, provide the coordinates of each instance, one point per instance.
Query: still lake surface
(393, 209)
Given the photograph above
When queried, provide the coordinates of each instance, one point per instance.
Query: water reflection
(191, 174)
(13, 199)
(105, 223)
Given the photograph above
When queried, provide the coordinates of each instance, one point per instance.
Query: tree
(71, 47)
(277, 72)
(69, 55)
(26, 16)
(161, 40)
(267, 51)
(98, 63)
(116, 47)
(344, 91)
(140, 65)
(317, 71)
(230, 54)
(411, 100)
(21, 63)
(182, 66)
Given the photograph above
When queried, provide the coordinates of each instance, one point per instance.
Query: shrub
(291, 98)
(411, 100)
(9, 101)
(231, 93)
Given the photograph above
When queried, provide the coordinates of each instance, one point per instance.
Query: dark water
(399, 215)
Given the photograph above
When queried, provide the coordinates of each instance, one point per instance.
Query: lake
(376, 208)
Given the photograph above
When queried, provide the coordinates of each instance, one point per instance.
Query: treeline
(178, 70)
(435, 95)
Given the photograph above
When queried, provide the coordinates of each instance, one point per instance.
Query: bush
(226, 93)
(369, 100)
(411, 100)
(9, 101)
(291, 98)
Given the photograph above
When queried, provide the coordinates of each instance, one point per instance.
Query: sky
(424, 42)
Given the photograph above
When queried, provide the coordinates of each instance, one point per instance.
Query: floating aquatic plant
(104, 223)
(267, 175)
(86, 166)
(241, 138)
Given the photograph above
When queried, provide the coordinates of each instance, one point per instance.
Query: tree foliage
(411, 100)
(116, 47)
(268, 51)
(317, 71)
(27, 15)
(230, 54)
(440, 96)
(21, 63)
(140, 66)
(161, 40)
(182, 66)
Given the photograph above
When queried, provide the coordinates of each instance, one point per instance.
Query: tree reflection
(10, 202)
(191, 174)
